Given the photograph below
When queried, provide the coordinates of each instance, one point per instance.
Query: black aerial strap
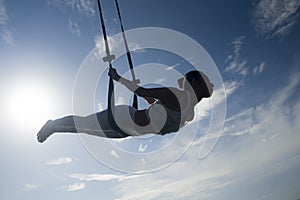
(109, 58)
(129, 58)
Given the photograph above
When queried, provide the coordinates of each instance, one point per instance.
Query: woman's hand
(114, 74)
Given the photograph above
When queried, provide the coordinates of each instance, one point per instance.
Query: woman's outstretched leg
(96, 124)
(65, 124)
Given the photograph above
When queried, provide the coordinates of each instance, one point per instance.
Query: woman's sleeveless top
(167, 120)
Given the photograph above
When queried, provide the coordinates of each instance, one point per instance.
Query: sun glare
(29, 105)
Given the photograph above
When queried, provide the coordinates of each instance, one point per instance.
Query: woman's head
(198, 82)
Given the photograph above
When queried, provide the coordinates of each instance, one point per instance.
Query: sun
(29, 105)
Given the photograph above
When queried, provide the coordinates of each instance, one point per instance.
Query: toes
(39, 138)
(45, 132)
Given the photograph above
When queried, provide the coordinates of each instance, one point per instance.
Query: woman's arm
(131, 85)
(135, 88)
(150, 100)
(149, 94)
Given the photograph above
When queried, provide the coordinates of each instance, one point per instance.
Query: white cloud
(3, 14)
(76, 9)
(73, 26)
(5, 33)
(143, 148)
(172, 67)
(114, 153)
(100, 107)
(87, 7)
(259, 69)
(28, 187)
(102, 177)
(203, 108)
(261, 145)
(60, 161)
(83, 7)
(275, 17)
(180, 182)
(135, 47)
(7, 36)
(100, 45)
(231, 87)
(264, 119)
(238, 43)
(121, 101)
(75, 187)
(114, 43)
(159, 80)
(234, 63)
(94, 177)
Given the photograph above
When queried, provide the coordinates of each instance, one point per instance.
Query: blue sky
(256, 47)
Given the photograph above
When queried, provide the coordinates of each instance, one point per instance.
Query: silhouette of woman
(169, 109)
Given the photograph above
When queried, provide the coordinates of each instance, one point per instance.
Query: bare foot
(45, 131)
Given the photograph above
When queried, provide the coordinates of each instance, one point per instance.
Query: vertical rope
(129, 57)
(109, 58)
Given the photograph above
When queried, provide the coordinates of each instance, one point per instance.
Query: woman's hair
(191, 75)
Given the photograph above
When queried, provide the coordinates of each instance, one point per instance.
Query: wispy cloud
(7, 36)
(231, 87)
(83, 7)
(60, 161)
(261, 141)
(3, 14)
(75, 10)
(28, 187)
(73, 26)
(143, 148)
(275, 18)
(102, 177)
(100, 107)
(5, 33)
(203, 108)
(100, 45)
(75, 187)
(174, 185)
(86, 6)
(114, 153)
(159, 80)
(173, 66)
(259, 69)
(234, 63)
(264, 139)
(135, 47)
(115, 42)
(237, 65)
(121, 101)
(262, 118)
